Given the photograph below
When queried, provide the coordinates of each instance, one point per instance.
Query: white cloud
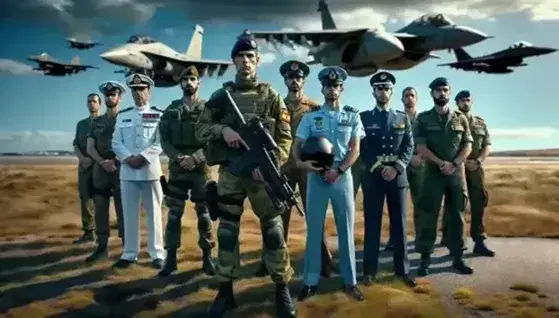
(12, 67)
(267, 57)
(536, 132)
(38, 140)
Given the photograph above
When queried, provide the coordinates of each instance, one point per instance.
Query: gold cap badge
(332, 75)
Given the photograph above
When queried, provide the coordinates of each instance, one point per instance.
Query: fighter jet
(75, 44)
(362, 51)
(52, 67)
(499, 62)
(145, 55)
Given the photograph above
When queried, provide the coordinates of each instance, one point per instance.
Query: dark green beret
(294, 68)
(438, 82)
(462, 94)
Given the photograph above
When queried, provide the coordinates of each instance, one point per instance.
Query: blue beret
(462, 94)
(111, 86)
(332, 75)
(139, 80)
(382, 78)
(438, 82)
(294, 68)
(245, 42)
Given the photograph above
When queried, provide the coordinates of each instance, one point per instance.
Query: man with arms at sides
(136, 144)
(294, 75)
(217, 126)
(386, 151)
(444, 140)
(106, 182)
(85, 169)
(342, 127)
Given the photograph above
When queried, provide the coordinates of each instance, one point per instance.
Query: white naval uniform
(136, 132)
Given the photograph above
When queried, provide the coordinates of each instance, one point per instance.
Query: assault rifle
(260, 147)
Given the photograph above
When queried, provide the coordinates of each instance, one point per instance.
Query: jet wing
(484, 60)
(204, 66)
(309, 39)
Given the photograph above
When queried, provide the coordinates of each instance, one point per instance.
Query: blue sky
(39, 112)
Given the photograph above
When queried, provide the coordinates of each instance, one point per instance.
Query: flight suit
(177, 129)
(253, 100)
(339, 127)
(105, 184)
(388, 142)
(85, 176)
(445, 136)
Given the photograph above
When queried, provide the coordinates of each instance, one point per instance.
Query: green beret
(438, 82)
(462, 94)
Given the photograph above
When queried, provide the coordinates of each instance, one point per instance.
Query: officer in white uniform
(137, 146)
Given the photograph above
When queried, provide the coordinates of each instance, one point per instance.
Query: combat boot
(170, 264)
(482, 250)
(460, 266)
(101, 252)
(262, 270)
(425, 262)
(224, 301)
(208, 265)
(285, 308)
(86, 237)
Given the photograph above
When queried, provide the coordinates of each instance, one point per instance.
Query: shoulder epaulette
(401, 112)
(125, 110)
(155, 108)
(458, 112)
(313, 108)
(229, 85)
(480, 119)
(351, 109)
(263, 86)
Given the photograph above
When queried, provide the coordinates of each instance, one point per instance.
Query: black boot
(424, 264)
(262, 270)
(481, 249)
(208, 265)
(460, 266)
(285, 308)
(86, 237)
(170, 265)
(101, 252)
(224, 301)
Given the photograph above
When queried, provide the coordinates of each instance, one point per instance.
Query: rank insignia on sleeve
(285, 116)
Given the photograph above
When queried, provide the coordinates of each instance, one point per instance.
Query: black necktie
(384, 116)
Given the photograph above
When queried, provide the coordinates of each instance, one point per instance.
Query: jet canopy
(521, 44)
(436, 20)
(140, 39)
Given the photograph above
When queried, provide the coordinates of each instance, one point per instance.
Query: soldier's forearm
(208, 132)
(484, 153)
(170, 151)
(426, 153)
(350, 159)
(78, 153)
(463, 154)
(92, 152)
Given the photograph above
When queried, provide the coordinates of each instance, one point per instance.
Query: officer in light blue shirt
(342, 126)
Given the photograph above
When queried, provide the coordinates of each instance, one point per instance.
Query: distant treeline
(554, 152)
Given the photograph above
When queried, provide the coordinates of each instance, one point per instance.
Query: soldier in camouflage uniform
(475, 176)
(294, 74)
(444, 140)
(106, 181)
(85, 169)
(217, 124)
(188, 171)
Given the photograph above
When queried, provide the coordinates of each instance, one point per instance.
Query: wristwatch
(340, 171)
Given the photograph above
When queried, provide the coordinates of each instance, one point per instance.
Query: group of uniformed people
(437, 153)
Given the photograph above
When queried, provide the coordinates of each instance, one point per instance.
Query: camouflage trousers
(181, 187)
(232, 192)
(85, 192)
(106, 185)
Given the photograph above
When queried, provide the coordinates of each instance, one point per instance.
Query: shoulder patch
(479, 119)
(155, 108)
(125, 110)
(351, 109)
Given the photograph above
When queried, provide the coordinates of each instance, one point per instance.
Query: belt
(384, 159)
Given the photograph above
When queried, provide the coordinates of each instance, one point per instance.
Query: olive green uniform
(85, 175)
(445, 136)
(475, 181)
(253, 99)
(105, 184)
(177, 128)
(357, 171)
(415, 179)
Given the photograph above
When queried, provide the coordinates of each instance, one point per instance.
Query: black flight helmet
(318, 149)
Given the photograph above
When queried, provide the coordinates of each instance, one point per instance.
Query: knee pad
(228, 236)
(273, 234)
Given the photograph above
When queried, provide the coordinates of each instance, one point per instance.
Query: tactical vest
(183, 125)
(252, 103)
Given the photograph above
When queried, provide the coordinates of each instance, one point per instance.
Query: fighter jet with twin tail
(499, 62)
(142, 54)
(52, 67)
(78, 45)
(363, 51)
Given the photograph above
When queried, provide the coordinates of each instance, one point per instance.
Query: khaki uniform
(253, 99)
(85, 176)
(415, 179)
(445, 136)
(177, 129)
(105, 184)
(475, 181)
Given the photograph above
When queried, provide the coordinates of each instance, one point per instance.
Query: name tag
(373, 126)
(127, 120)
(150, 117)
